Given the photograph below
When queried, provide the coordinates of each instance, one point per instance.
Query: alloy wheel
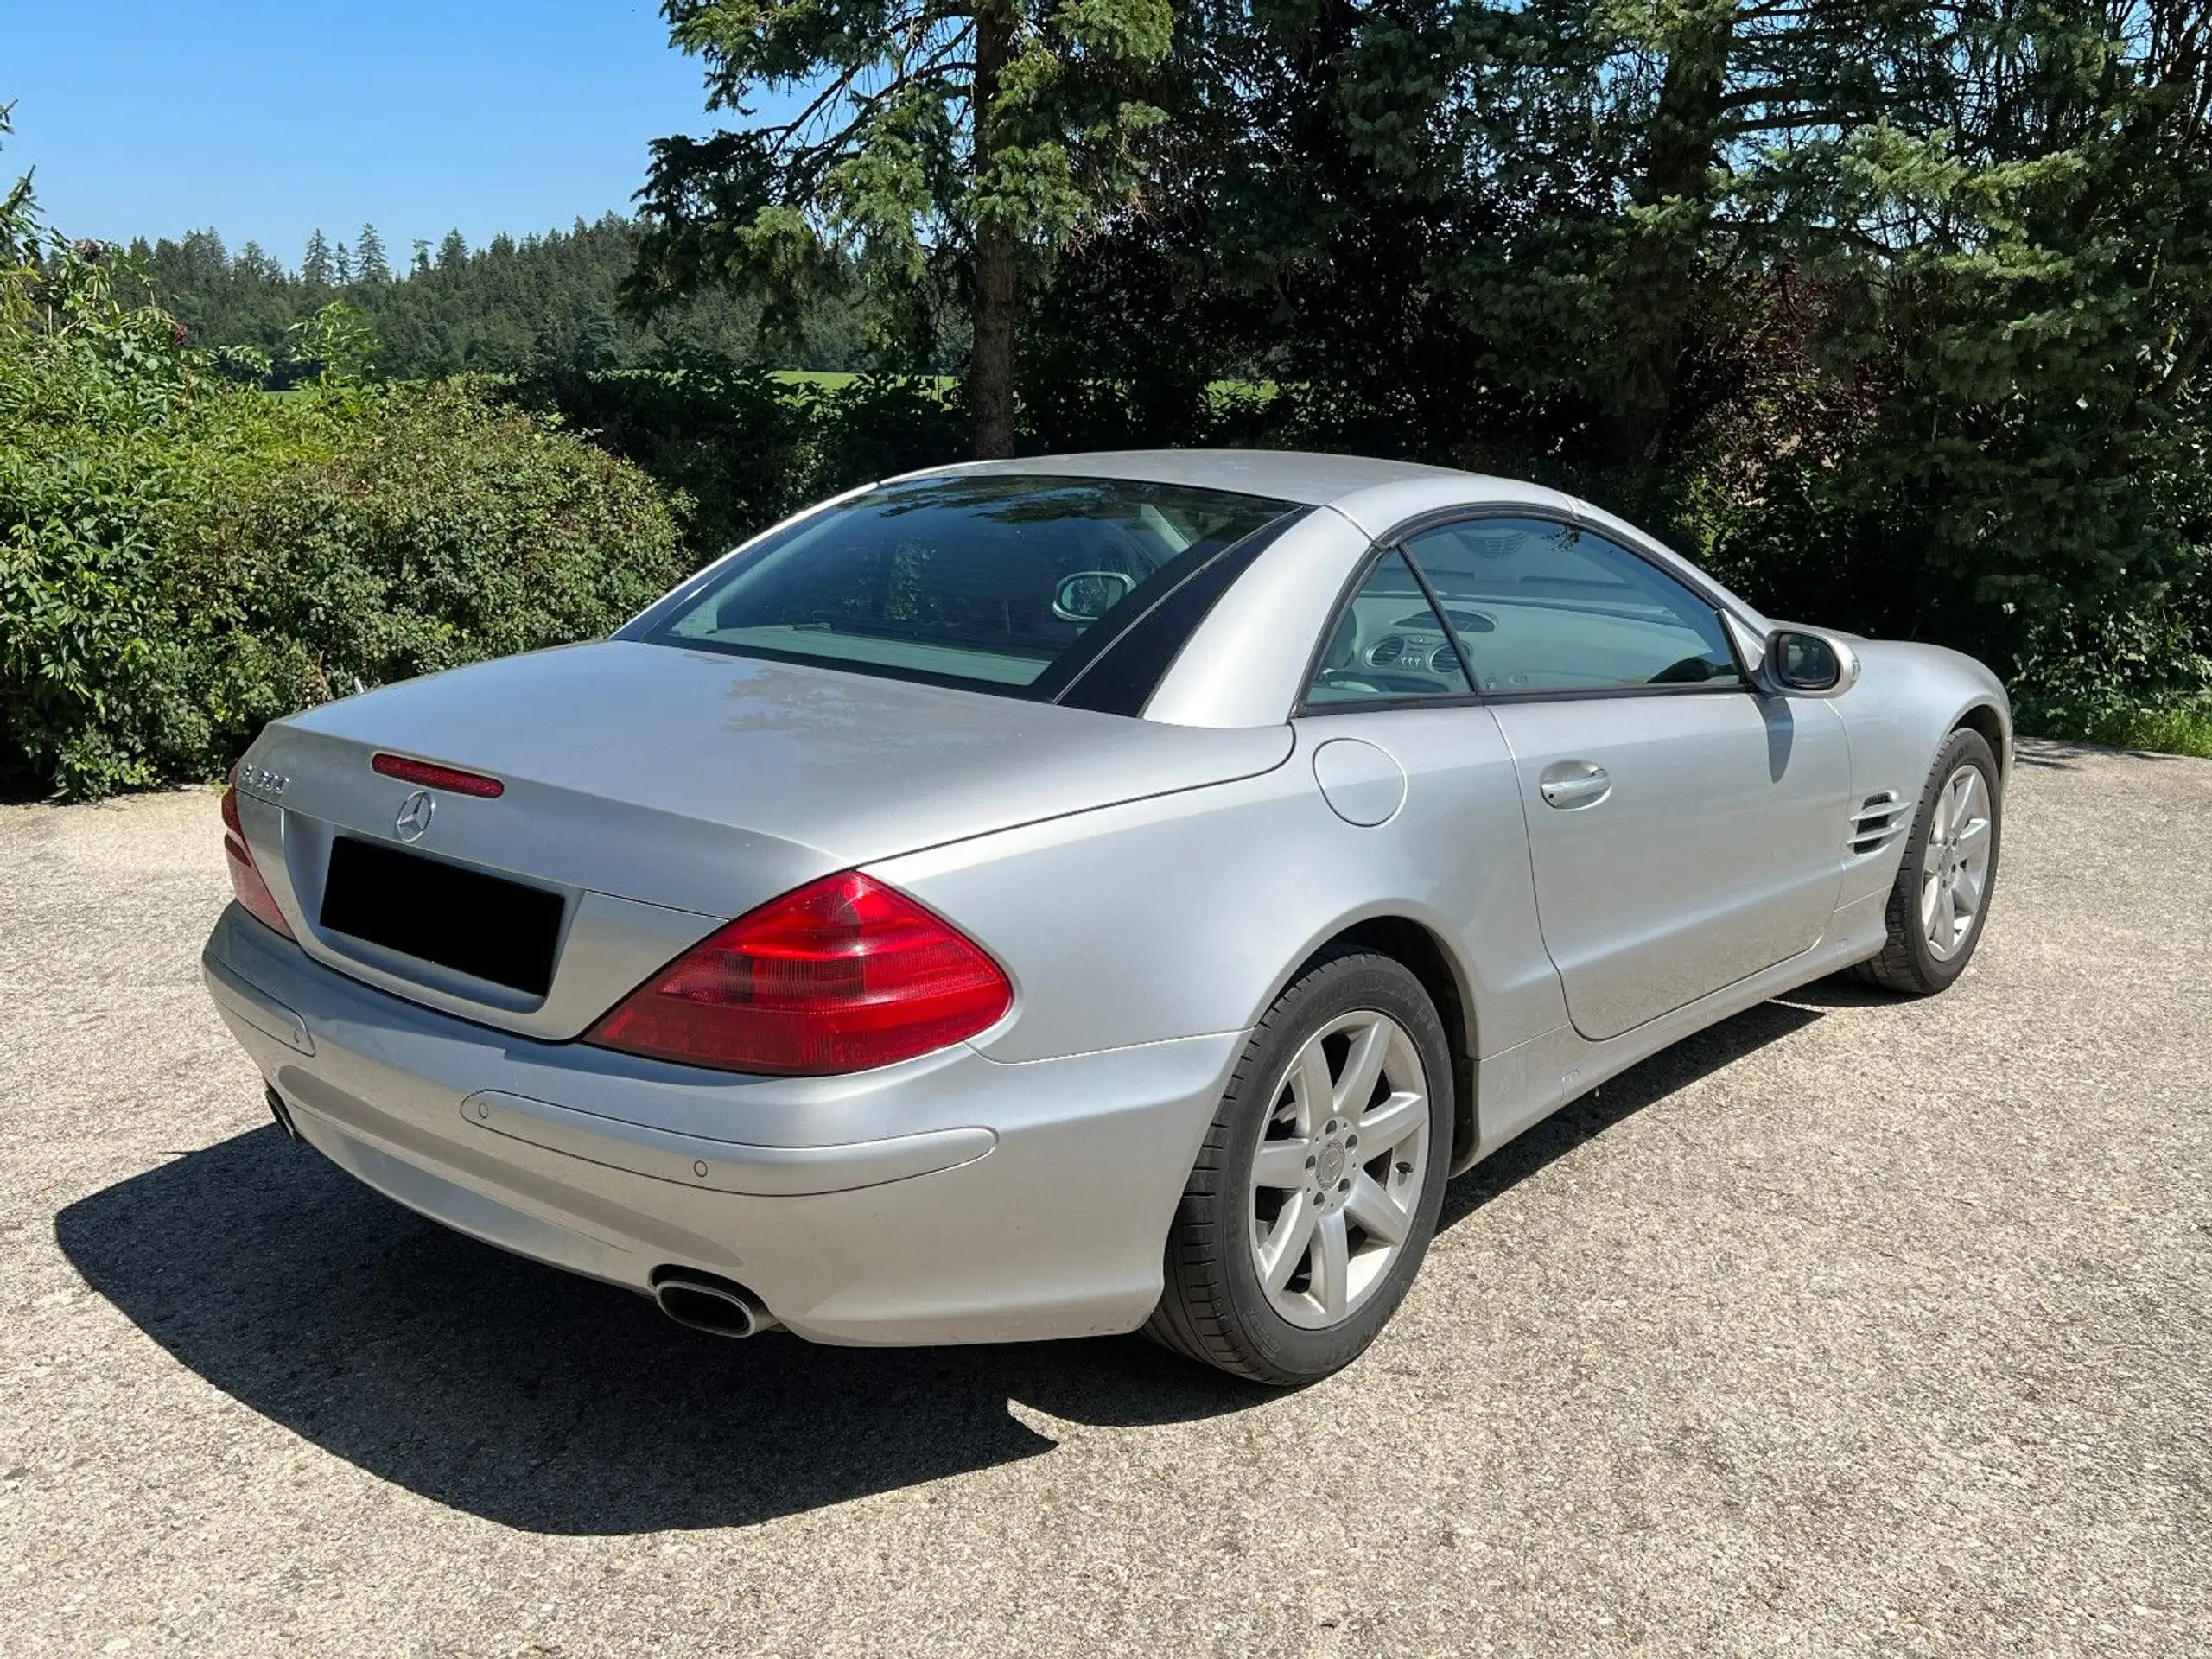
(1343, 1154)
(1955, 864)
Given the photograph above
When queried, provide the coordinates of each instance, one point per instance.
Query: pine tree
(999, 129)
(369, 265)
(551, 299)
(453, 252)
(315, 268)
(341, 263)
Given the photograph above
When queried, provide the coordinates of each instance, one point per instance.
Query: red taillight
(838, 976)
(430, 775)
(246, 880)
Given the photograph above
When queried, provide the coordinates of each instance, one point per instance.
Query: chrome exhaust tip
(282, 1114)
(705, 1302)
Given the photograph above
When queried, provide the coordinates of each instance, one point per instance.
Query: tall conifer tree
(370, 264)
(990, 131)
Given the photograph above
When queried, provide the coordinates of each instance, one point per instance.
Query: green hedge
(443, 530)
(745, 447)
(183, 558)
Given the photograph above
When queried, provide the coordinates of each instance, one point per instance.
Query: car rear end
(581, 954)
(911, 1189)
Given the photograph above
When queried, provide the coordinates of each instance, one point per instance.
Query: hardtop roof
(1308, 479)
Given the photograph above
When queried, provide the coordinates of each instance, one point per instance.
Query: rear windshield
(998, 582)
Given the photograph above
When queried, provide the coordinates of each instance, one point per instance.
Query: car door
(1407, 755)
(1684, 829)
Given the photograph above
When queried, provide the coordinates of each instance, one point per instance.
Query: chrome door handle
(1576, 783)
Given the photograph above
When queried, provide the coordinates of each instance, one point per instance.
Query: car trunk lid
(658, 790)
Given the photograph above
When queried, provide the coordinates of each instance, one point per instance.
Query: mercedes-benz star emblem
(415, 815)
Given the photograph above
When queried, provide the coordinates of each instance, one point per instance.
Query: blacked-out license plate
(485, 925)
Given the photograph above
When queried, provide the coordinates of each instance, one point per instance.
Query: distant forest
(549, 300)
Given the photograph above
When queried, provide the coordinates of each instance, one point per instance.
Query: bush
(443, 530)
(746, 448)
(2136, 680)
(735, 441)
(183, 558)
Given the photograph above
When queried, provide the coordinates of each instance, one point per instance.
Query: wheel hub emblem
(414, 816)
(1331, 1164)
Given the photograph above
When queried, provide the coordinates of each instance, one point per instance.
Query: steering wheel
(1337, 680)
(1378, 685)
(1691, 670)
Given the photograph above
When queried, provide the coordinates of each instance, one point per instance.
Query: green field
(837, 379)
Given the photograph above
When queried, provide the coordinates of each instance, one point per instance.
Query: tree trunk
(1655, 295)
(990, 366)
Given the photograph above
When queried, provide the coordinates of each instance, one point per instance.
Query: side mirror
(1801, 663)
(1089, 595)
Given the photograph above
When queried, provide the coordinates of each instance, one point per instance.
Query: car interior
(1537, 606)
(988, 580)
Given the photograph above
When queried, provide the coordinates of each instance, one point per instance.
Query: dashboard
(1415, 645)
(1395, 652)
(1389, 651)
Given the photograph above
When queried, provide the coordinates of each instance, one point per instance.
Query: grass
(1260, 392)
(1257, 391)
(2182, 730)
(837, 379)
(2175, 723)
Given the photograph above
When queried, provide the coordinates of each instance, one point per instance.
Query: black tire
(1907, 964)
(1214, 1308)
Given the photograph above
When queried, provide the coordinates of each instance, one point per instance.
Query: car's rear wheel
(1941, 897)
(1316, 1193)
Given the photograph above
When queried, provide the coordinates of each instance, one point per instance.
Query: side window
(1544, 606)
(1386, 642)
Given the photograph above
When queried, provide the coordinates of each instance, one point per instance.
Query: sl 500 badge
(259, 780)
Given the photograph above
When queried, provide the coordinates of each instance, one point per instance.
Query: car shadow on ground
(1672, 1068)
(557, 1405)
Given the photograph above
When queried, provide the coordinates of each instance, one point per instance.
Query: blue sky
(265, 118)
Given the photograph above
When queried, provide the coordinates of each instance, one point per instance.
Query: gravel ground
(1853, 1325)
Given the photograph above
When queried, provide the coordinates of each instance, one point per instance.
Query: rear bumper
(952, 1199)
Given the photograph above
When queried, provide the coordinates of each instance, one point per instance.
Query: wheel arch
(1989, 721)
(1422, 952)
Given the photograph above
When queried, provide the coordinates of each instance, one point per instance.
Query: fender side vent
(1878, 821)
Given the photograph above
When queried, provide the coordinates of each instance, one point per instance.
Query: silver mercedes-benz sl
(1054, 897)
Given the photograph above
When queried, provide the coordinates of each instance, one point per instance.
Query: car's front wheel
(1316, 1193)
(1942, 896)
